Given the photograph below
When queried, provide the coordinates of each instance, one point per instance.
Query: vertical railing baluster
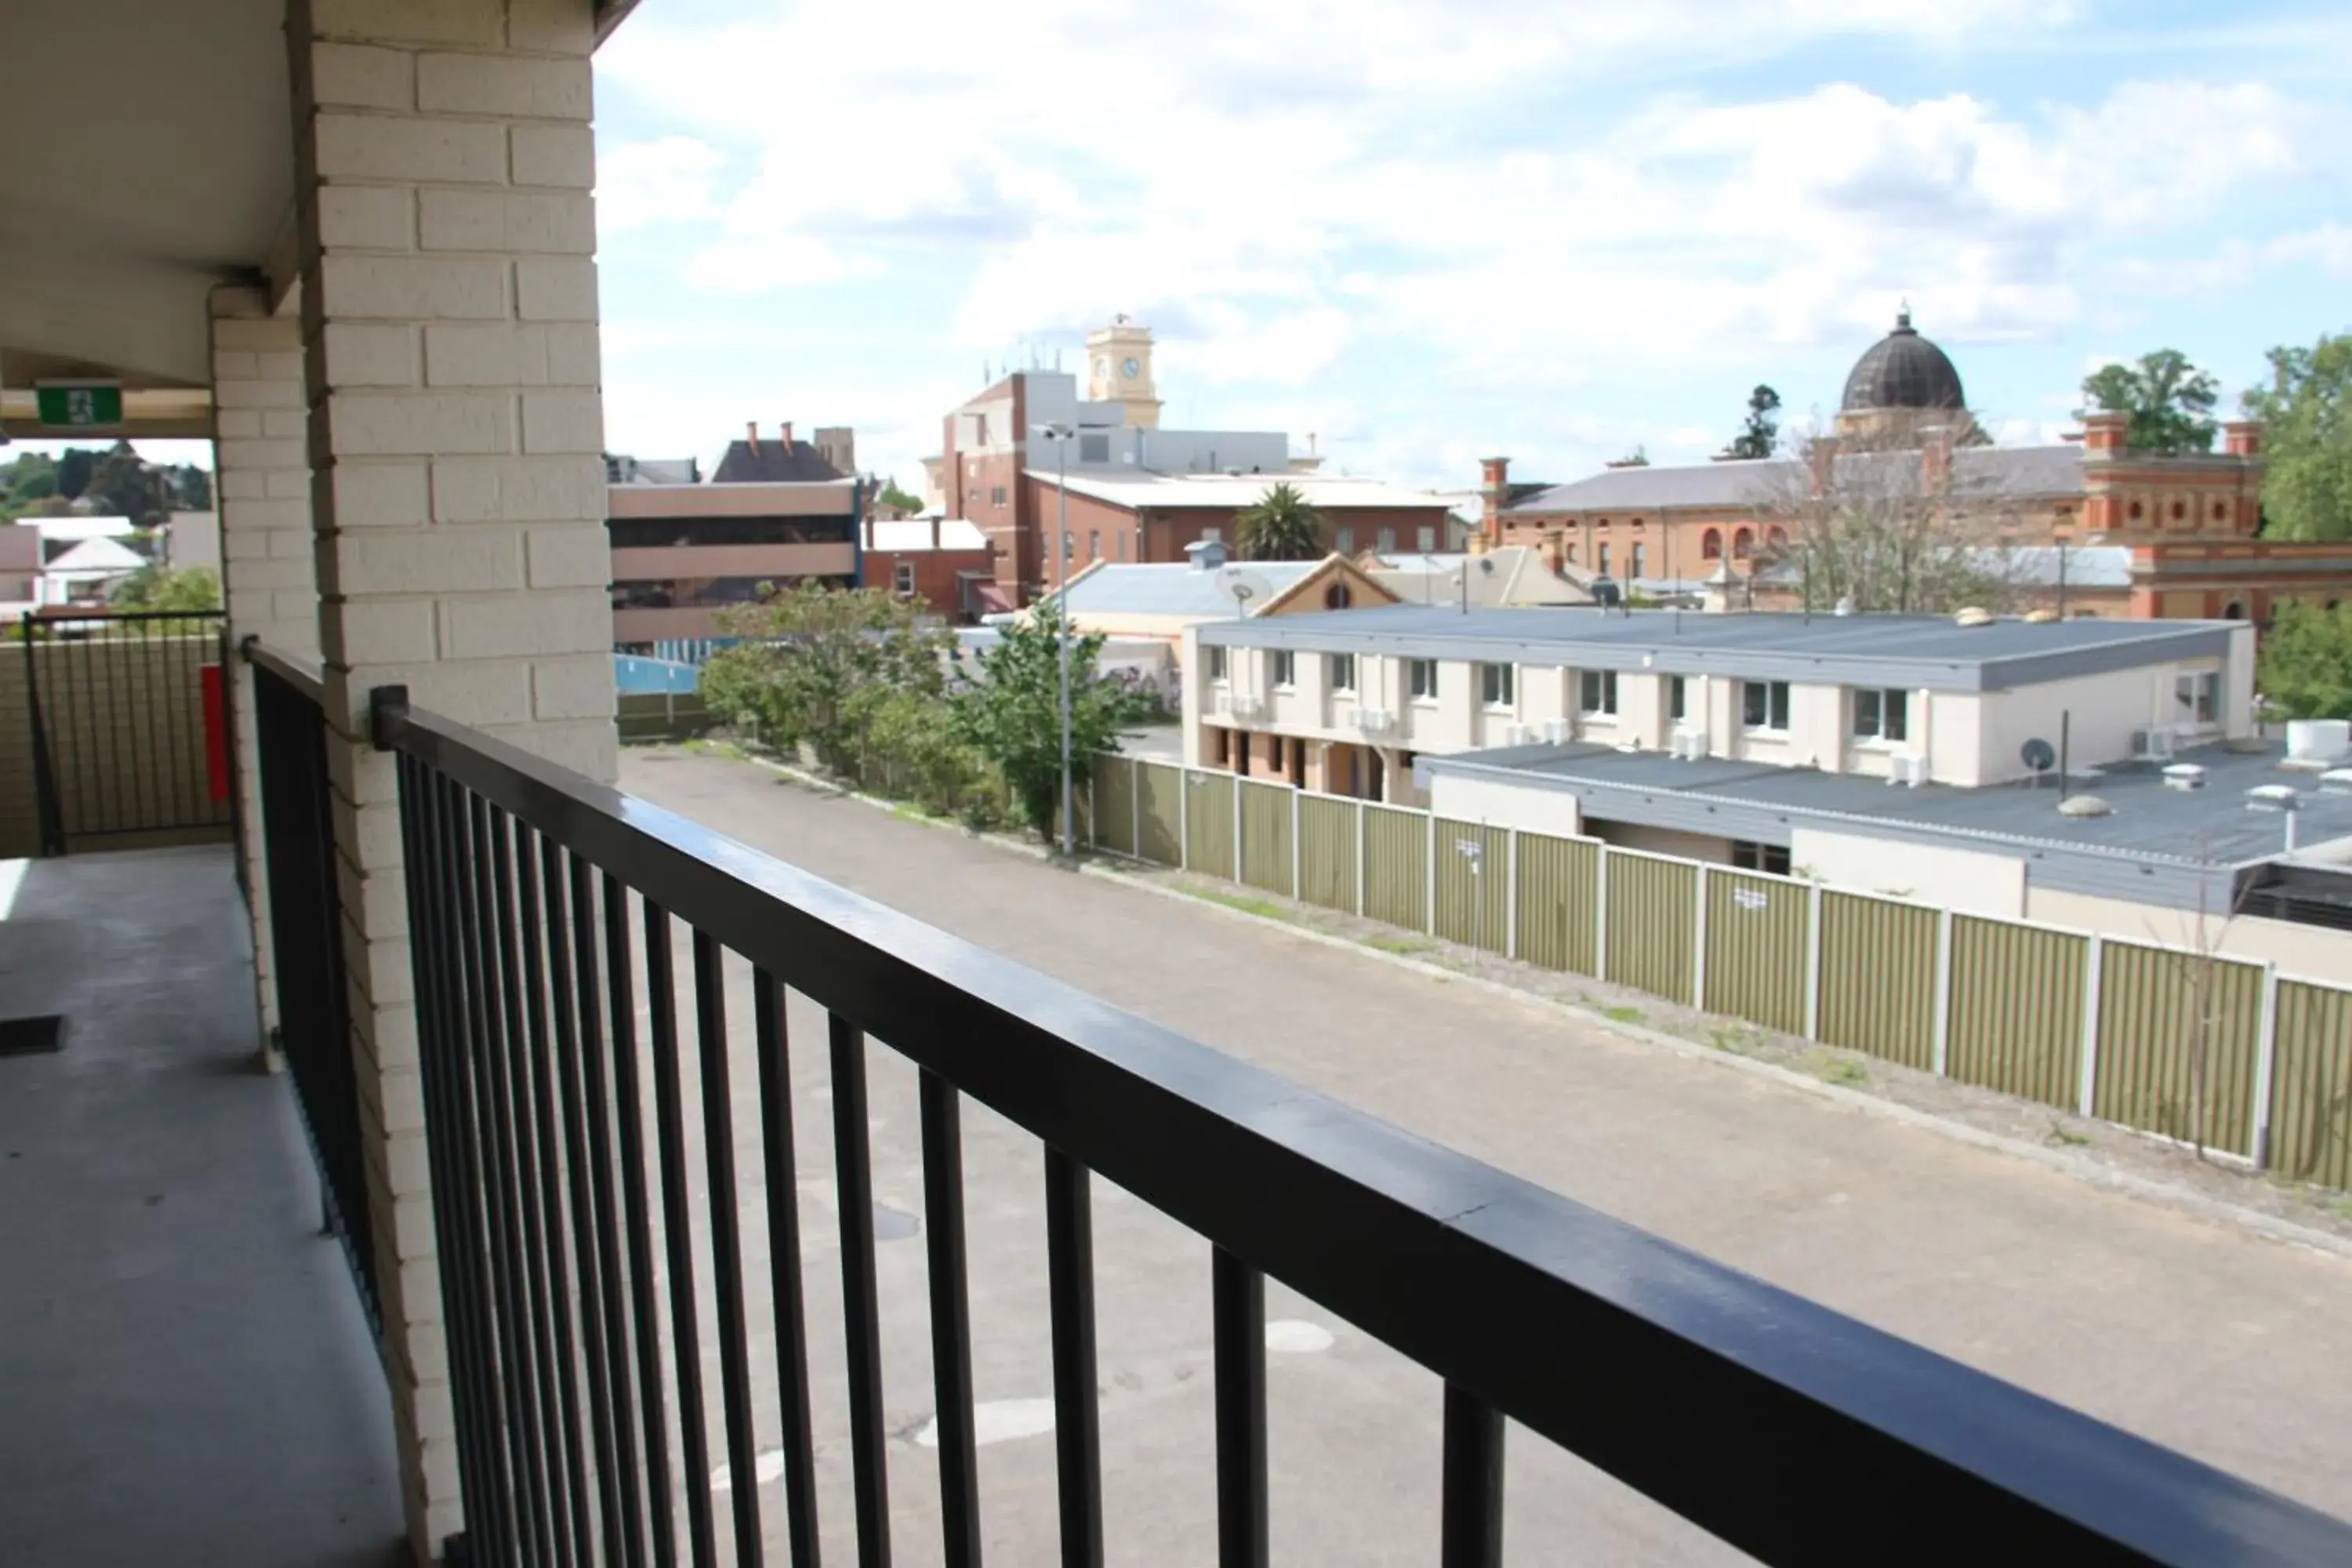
(609, 1338)
(538, 934)
(950, 1319)
(684, 1329)
(628, 1103)
(493, 1128)
(515, 1090)
(1237, 1309)
(1070, 1286)
(726, 1251)
(1471, 1525)
(861, 1297)
(787, 1283)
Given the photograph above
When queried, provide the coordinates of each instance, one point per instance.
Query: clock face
(1132, 368)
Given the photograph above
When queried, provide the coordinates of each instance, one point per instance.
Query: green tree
(75, 465)
(1760, 434)
(2170, 401)
(1282, 527)
(2306, 415)
(188, 488)
(166, 588)
(2306, 662)
(809, 652)
(124, 484)
(1012, 716)
(1639, 457)
(901, 500)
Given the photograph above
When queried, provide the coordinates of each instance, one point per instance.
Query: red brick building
(941, 562)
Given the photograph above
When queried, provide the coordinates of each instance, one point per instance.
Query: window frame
(1602, 683)
(1499, 687)
(1677, 700)
(1213, 655)
(1414, 668)
(1339, 671)
(1777, 695)
(1281, 668)
(1885, 703)
(2200, 692)
(902, 579)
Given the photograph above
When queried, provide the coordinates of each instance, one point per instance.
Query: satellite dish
(1243, 587)
(2038, 754)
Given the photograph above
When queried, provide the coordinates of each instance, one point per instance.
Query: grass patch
(1398, 945)
(1730, 1040)
(1249, 904)
(2063, 1136)
(1621, 1015)
(907, 811)
(1837, 1070)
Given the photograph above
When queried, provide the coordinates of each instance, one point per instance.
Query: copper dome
(1902, 369)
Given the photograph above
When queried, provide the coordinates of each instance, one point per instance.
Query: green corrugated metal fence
(1877, 984)
(1653, 923)
(1327, 851)
(1114, 794)
(1209, 823)
(1396, 866)
(1474, 888)
(2017, 1009)
(2311, 1084)
(1265, 836)
(1559, 898)
(1163, 842)
(2146, 1071)
(1757, 935)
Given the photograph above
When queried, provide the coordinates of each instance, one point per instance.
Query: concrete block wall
(444, 161)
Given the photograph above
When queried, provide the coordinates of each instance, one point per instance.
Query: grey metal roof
(1138, 588)
(2152, 826)
(2022, 565)
(1978, 472)
(1921, 651)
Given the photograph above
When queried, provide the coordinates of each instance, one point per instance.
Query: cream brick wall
(455, 428)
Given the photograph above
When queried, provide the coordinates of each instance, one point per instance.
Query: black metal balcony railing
(542, 905)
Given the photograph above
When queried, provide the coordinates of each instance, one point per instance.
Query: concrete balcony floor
(185, 1374)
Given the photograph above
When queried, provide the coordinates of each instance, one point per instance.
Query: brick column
(443, 164)
(261, 484)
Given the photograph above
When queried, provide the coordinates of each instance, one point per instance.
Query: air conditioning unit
(1557, 732)
(2152, 744)
(1517, 736)
(1910, 768)
(1378, 721)
(1690, 745)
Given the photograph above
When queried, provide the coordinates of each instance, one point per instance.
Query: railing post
(1599, 911)
(1698, 945)
(1813, 963)
(2265, 1066)
(2095, 958)
(1511, 892)
(1943, 991)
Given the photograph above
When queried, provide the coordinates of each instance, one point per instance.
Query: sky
(1431, 233)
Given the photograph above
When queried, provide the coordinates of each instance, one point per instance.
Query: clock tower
(1118, 370)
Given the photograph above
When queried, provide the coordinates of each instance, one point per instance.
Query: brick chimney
(1494, 491)
(2107, 432)
(751, 434)
(2242, 437)
(788, 436)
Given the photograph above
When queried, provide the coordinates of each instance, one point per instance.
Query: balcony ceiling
(152, 159)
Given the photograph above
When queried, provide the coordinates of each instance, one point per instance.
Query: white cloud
(673, 180)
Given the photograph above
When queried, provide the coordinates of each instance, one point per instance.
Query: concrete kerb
(2166, 1193)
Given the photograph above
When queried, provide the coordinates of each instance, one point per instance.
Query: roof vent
(1974, 616)
(2336, 781)
(2184, 776)
(2274, 797)
(2083, 806)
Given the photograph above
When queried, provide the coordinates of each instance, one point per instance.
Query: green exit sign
(74, 404)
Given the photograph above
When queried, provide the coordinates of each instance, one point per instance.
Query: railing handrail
(305, 675)
(1722, 1397)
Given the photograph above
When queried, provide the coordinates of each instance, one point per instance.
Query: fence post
(1601, 911)
(1511, 892)
(1135, 804)
(1362, 840)
(1429, 889)
(1943, 990)
(1698, 947)
(1241, 784)
(1184, 820)
(2265, 1066)
(1813, 963)
(1297, 855)
(2096, 955)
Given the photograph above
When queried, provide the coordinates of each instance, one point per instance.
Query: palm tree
(1282, 527)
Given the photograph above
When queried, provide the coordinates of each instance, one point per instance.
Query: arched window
(2233, 611)
(1777, 536)
(1338, 596)
(2178, 511)
(1710, 544)
(2220, 512)
(2135, 511)
(1743, 545)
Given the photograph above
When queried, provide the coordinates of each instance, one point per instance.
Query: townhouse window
(1497, 684)
(1764, 704)
(1596, 693)
(1067, 540)
(1677, 698)
(996, 495)
(1710, 544)
(1421, 679)
(1385, 541)
(1426, 538)
(1602, 558)
(2197, 697)
(1746, 856)
(1216, 660)
(1285, 670)
(1743, 545)
(902, 578)
(1339, 669)
(1640, 563)
(1882, 715)
(1343, 539)
(1220, 740)
(1093, 544)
